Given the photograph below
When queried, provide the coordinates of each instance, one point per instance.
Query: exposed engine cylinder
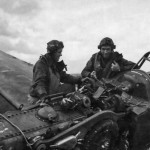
(76, 100)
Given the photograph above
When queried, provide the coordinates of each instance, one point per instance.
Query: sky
(27, 25)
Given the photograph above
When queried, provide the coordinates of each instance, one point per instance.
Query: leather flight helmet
(54, 45)
(107, 42)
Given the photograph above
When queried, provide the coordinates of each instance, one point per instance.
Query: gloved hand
(115, 67)
(32, 100)
(43, 98)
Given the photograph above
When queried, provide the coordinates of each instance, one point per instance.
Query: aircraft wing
(15, 79)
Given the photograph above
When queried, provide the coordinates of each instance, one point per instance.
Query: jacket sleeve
(40, 79)
(88, 68)
(67, 78)
(126, 65)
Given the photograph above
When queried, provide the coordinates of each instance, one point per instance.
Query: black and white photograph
(74, 75)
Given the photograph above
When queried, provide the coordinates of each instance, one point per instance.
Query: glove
(32, 100)
(43, 98)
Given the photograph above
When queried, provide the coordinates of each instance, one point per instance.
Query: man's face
(106, 51)
(57, 55)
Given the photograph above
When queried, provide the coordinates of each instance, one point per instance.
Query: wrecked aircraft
(113, 116)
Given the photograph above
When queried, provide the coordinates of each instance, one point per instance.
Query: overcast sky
(27, 25)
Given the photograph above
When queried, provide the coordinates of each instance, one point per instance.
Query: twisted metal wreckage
(101, 115)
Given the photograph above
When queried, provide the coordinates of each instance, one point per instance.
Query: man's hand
(115, 66)
(93, 75)
(44, 99)
(32, 100)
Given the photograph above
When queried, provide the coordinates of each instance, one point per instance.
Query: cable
(28, 144)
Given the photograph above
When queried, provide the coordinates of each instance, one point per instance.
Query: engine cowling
(19, 130)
